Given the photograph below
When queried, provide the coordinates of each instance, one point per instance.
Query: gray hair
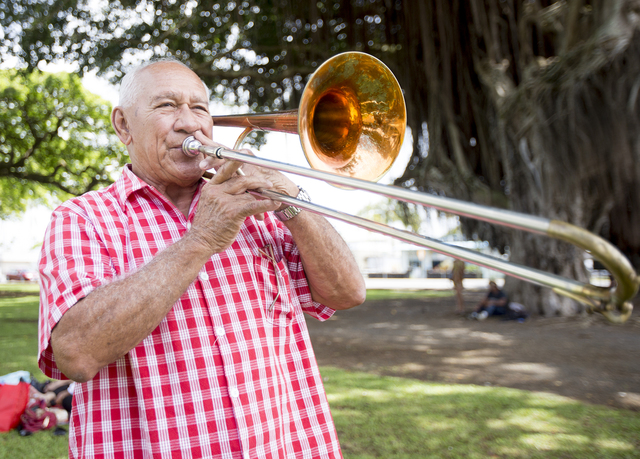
(130, 84)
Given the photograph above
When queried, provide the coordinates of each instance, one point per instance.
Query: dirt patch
(584, 358)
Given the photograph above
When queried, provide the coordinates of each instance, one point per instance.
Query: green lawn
(382, 417)
(403, 294)
(19, 329)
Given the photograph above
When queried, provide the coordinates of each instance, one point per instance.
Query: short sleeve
(73, 262)
(299, 280)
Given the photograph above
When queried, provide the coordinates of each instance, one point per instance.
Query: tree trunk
(531, 106)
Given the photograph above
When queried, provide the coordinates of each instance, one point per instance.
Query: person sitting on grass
(496, 303)
(54, 393)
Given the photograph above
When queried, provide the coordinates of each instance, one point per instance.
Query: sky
(20, 238)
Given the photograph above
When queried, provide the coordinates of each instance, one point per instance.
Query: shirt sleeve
(73, 262)
(299, 280)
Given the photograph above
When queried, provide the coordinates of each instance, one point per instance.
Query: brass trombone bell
(351, 119)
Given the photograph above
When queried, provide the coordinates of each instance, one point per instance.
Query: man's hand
(225, 204)
(279, 182)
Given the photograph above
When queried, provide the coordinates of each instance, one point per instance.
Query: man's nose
(186, 120)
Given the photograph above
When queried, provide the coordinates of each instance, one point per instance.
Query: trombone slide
(611, 302)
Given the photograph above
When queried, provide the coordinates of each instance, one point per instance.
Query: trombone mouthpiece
(190, 146)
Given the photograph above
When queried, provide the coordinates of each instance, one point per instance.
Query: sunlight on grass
(548, 400)
(403, 294)
(614, 444)
(536, 419)
(20, 287)
(556, 441)
(417, 387)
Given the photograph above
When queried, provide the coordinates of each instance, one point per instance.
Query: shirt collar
(129, 183)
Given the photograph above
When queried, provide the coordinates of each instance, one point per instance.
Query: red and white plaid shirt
(225, 374)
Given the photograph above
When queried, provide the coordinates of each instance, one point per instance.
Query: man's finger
(226, 171)
(209, 163)
(237, 185)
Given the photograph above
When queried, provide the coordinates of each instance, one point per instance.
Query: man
(496, 303)
(178, 303)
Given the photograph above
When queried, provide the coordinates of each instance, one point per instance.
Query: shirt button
(234, 392)
(204, 276)
(188, 225)
(219, 331)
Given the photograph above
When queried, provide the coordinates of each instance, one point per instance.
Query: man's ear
(120, 125)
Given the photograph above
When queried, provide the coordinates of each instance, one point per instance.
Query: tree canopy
(530, 105)
(54, 139)
(258, 50)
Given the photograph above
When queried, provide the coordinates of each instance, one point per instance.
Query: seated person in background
(54, 393)
(496, 303)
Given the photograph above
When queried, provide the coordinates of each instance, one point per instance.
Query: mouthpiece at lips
(190, 146)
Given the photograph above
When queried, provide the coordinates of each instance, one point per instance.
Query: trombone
(351, 123)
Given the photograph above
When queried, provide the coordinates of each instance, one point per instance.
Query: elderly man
(178, 303)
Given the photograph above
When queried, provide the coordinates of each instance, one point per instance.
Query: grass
(403, 418)
(19, 328)
(404, 294)
(387, 417)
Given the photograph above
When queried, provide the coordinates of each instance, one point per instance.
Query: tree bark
(530, 106)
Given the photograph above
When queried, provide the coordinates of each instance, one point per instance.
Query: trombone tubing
(616, 297)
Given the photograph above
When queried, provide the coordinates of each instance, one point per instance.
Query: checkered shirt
(225, 374)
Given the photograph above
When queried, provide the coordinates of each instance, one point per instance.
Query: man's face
(170, 105)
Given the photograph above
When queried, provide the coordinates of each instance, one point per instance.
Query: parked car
(22, 275)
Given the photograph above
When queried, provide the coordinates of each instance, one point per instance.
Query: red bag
(13, 401)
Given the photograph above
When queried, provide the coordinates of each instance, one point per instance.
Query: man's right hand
(225, 204)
